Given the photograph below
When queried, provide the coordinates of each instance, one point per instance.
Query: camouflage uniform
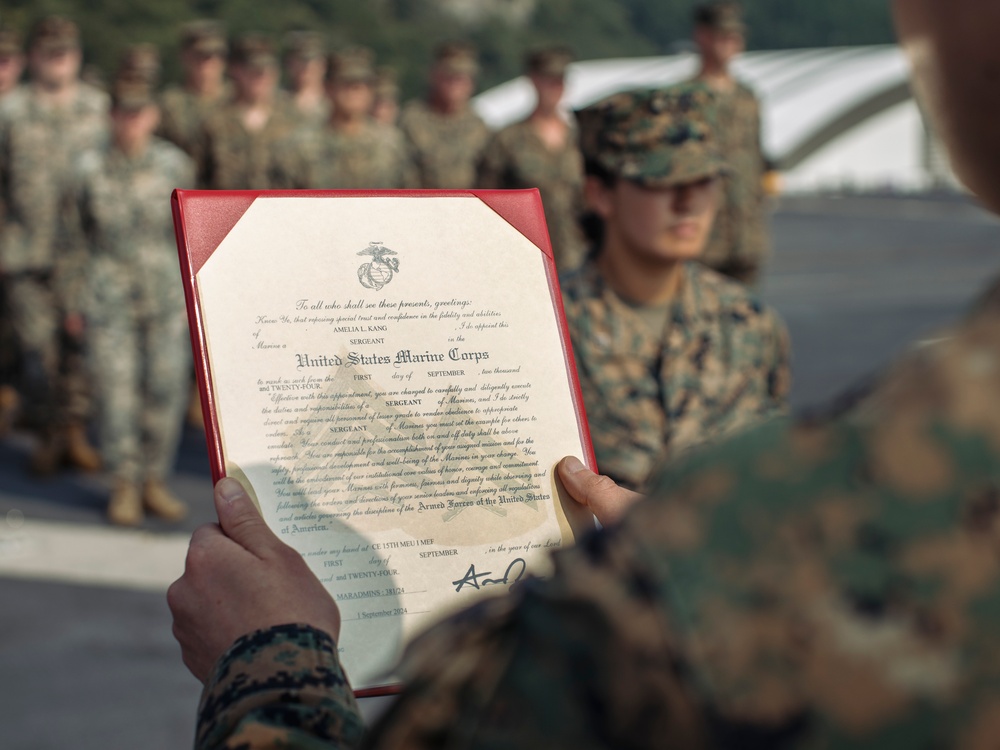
(184, 115)
(374, 158)
(334, 158)
(237, 159)
(305, 47)
(802, 585)
(667, 378)
(740, 239)
(517, 158)
(183, 112)
(134, 303)
(231, 157)
(40, 269)
(720, 363)
(445, 148)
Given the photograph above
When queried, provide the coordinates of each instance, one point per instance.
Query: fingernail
(230, 489)
(573, 464)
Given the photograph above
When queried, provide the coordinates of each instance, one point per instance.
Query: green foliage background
(403, 32)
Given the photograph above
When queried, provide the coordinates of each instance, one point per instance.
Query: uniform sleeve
(279, 688)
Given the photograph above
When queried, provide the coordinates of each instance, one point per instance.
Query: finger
(205, 533)
(605, 499)
(240, 520)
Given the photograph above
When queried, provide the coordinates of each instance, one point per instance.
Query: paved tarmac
(87, 660)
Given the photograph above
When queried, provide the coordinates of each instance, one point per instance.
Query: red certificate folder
(389, 374)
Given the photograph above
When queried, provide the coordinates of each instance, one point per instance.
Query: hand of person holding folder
(240, 577)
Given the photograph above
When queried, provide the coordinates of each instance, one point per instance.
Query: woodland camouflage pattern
(720, 364)
(657, 138)
(38, 144)
(301, 700)
(134, 304)
(183, 115)
(234, 158)
(825, 585)
(516, 158)
(374, 158)
(740, 240)
(445, 149)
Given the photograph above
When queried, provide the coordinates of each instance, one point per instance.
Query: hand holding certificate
(389, 375)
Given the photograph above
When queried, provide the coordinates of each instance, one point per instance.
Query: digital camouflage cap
(253, 51)
(350, 64)
(204, 36)
(305, 45)
(456, 57)
(141, 61)
(131, 92)
(656, 138)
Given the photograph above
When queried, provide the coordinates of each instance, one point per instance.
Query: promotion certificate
(389, 374)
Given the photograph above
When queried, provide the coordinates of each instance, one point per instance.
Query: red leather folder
(204, 219)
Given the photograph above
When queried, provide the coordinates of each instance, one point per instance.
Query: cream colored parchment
(389, 379)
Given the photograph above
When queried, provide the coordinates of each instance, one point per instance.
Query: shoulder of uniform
(413, 108)
(510, 133)
(218, 117)
(93, 98)
(579, 283)
(472, 115)
(172, 95)
(88, 162)
(725, 294)
(746, 90)
(15, 102)
(386, 133)
(166, 152)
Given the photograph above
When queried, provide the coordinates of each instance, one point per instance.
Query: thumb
(605, 499)
(240, 520)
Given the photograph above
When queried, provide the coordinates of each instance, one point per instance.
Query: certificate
(389, 374)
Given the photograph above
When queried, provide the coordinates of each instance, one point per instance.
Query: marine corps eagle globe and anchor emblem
(379, 271)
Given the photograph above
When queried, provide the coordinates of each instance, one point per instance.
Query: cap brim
(50, 46)
(459, 68)
(667, 170)
(210, 47)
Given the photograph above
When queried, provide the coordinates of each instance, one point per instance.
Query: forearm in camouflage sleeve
(280, 687)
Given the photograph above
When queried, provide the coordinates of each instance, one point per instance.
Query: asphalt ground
(87, 659)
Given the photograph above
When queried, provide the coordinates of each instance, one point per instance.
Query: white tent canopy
(833, 118)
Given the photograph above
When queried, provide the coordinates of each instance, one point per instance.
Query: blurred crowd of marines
(93, 338)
